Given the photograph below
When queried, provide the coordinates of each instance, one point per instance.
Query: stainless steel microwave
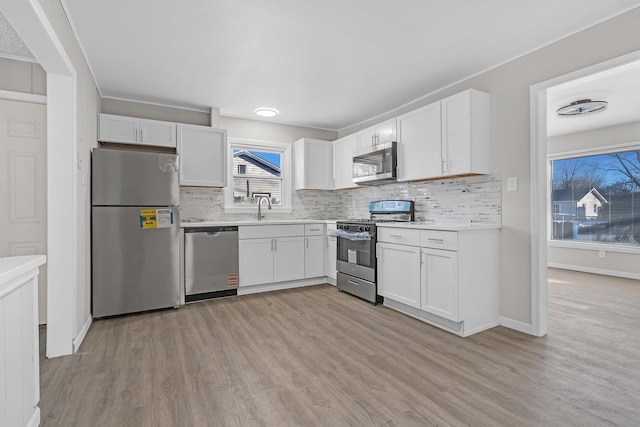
(377, 165)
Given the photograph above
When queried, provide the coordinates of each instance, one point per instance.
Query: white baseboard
(593, 270)
(516, 325)
(34, 421)
(77, 341)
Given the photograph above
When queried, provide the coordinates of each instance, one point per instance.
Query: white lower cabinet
(450, 279)
(399, 273)
(271, 260)
(273, 254)
(439, 284)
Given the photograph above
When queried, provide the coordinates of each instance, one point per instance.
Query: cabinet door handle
(271, 245)
(307, 239)
(275, 244)
(314, 229)
(444, 165)
(397, 236)
(435, 240)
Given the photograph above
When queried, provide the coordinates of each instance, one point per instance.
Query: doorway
(32, 25)
(541, 223)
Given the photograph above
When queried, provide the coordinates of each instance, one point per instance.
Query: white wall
(614, 262)
(88, 106)
(509, 86)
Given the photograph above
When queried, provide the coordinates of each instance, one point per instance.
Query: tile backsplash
(469, 200)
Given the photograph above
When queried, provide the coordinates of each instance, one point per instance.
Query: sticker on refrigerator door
(148, 218)
(164, 218)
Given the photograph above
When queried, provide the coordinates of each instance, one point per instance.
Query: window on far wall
(595, 198)
(259, 168)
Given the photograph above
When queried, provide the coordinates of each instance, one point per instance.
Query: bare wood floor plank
(315, 356)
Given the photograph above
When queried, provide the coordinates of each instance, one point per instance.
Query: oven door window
(360, 252)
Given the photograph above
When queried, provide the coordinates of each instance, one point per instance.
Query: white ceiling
(323, 63)
(620, 87)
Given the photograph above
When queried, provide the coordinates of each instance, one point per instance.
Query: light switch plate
(512, 183)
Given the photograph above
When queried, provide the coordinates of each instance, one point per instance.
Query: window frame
(285, 173)
(584, 152)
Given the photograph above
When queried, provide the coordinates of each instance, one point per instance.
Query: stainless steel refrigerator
(135, 231)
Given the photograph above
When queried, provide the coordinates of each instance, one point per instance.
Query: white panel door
(158, 133)
(314, 265)
(440, 283)
(419, 144)
(118, 129)
(343, 152)
(399, 273)
(203, 156)
(23, 186)
(456, 134)
(289, 259)
(256, 261)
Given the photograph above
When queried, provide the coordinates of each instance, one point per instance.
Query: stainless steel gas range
(356, 256)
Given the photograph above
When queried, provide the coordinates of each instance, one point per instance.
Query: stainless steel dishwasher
(210, 262)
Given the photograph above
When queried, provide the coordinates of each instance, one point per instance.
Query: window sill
(254, 209)
(594, 246)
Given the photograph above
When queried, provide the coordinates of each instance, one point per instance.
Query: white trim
(539, 208)
(10, 95)
(604, 149)
(286, 174)
(593, 270)
(34, 421)
(77, 341)
(586, 246)
(18, 58)
(539, 184)
(32, 24)
(269, 287)
(63, 3)
(516, 325)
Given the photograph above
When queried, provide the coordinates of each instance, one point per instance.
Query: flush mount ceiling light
(583, 106)
(267, 112)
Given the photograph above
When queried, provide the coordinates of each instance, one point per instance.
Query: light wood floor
(315, 356)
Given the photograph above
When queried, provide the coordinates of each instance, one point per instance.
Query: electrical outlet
(601, 253)
(512, 183)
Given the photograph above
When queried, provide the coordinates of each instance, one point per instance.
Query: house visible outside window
(258, 168)
(595, 198)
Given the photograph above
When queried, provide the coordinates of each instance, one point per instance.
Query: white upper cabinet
(447, 138)
(313, 164)
(343, 151)
(466, 133)
(131, 130)
(379, 134)
(203, 156)
(419, 143)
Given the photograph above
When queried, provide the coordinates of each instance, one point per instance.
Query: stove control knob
(367, 229)
(360, 228)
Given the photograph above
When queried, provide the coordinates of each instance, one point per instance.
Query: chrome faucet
(260, 216)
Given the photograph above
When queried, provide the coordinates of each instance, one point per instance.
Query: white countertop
(444, 227)
(255, 222)
(12, 267)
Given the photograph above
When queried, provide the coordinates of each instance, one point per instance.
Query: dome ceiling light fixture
(583, 106)
(267, 112)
